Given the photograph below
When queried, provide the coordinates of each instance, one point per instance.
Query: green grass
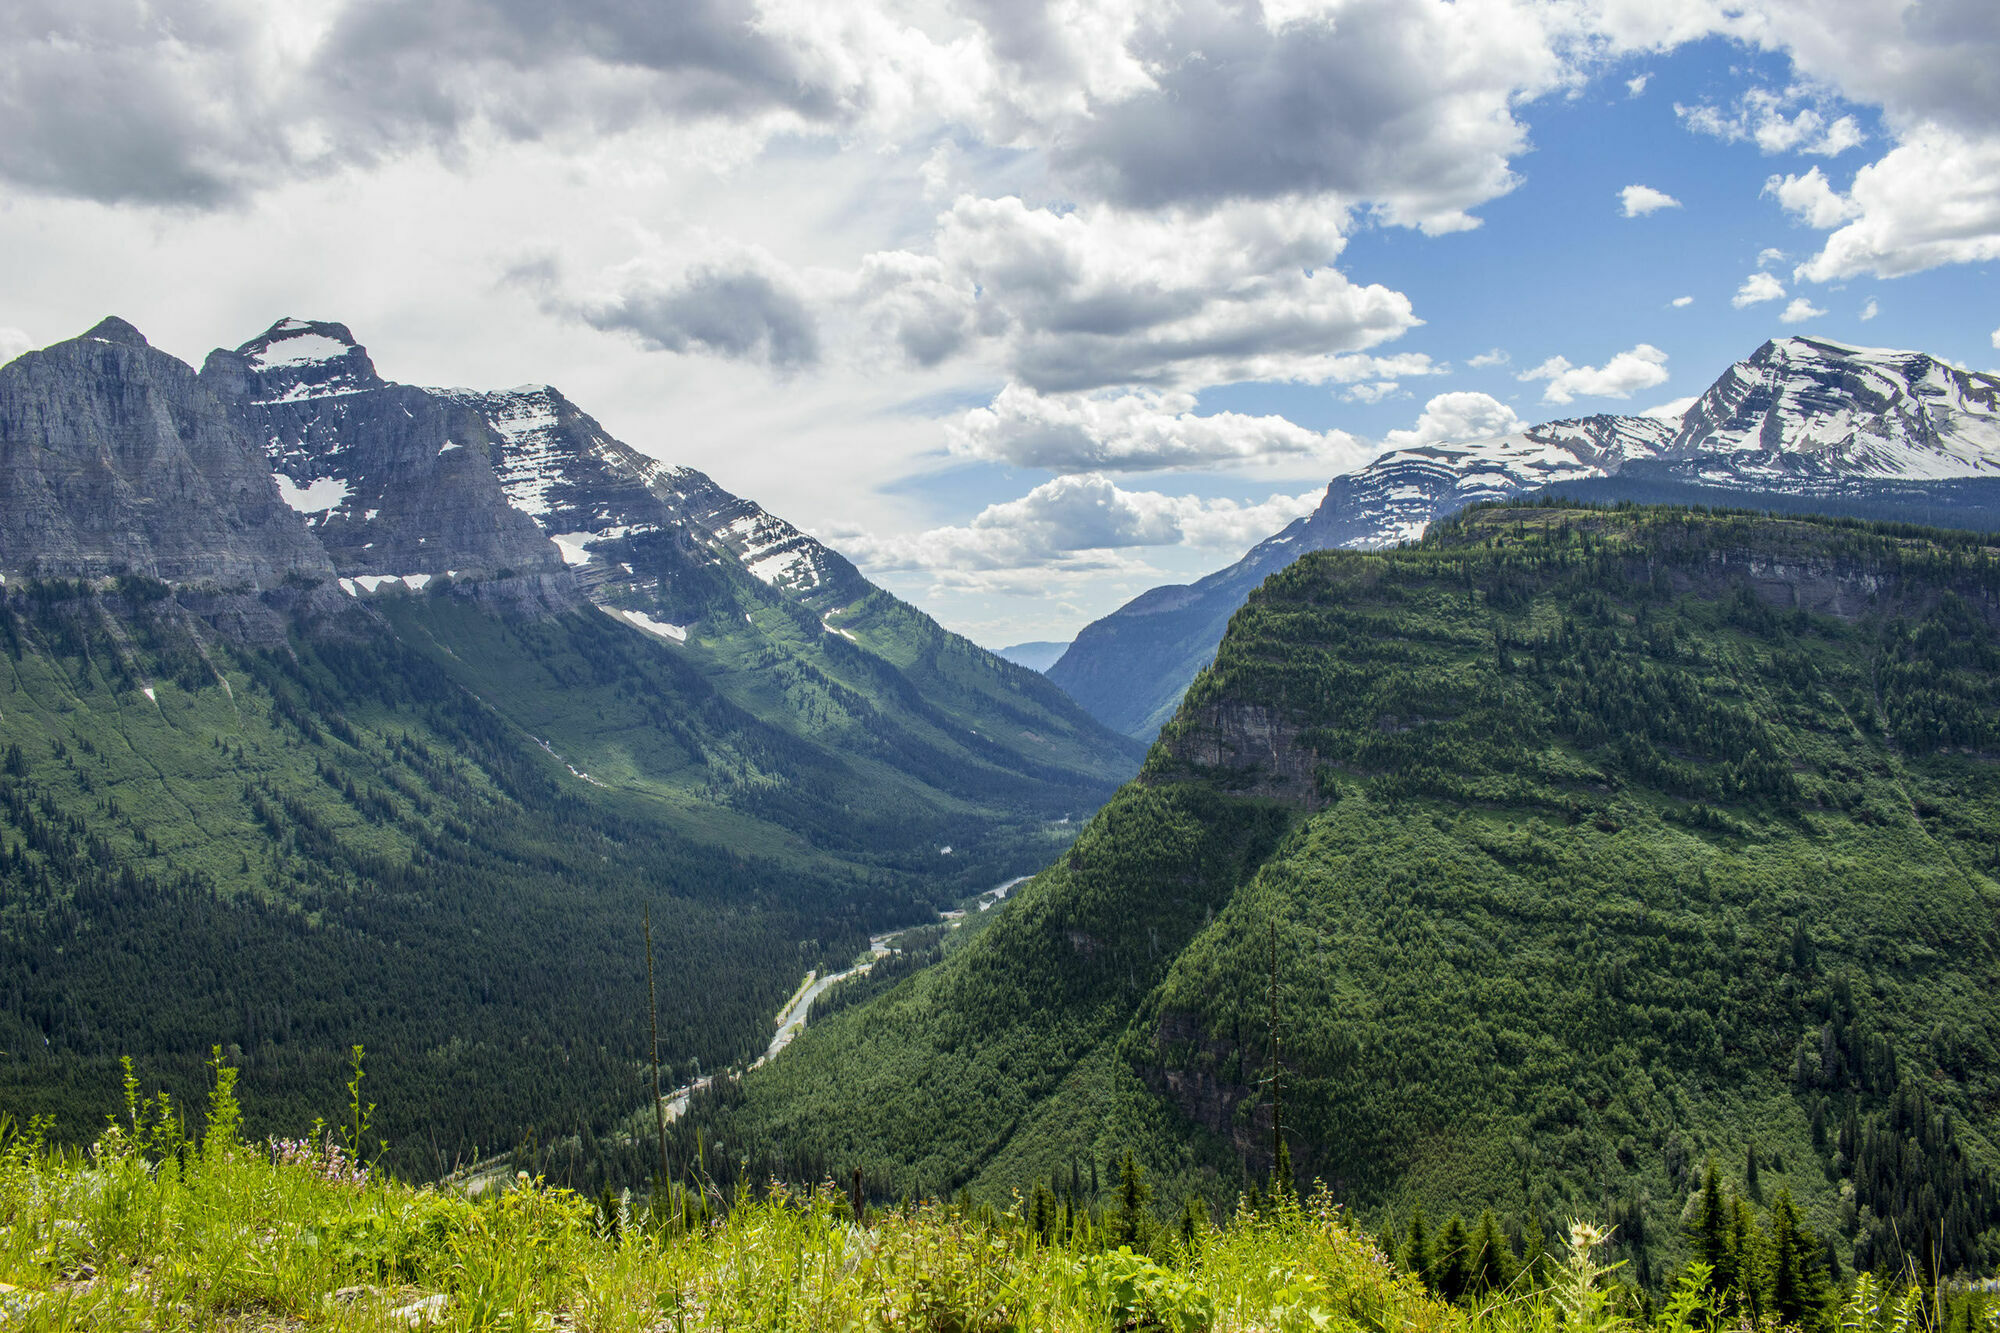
(152, 1228)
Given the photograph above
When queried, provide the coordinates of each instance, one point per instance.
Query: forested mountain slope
(288, 773)
(1591, 844)
(1802, 425)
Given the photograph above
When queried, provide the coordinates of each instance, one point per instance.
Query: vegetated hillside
(1594, 844)
(253, 795)
(1802, 425)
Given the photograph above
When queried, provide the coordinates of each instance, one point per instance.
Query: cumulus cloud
(1451, 417)
(1760, 117)
(1495, 357)
(1996, 340)
(1681, 302)
(203, 103)
(1374, 392)
(1408, 105)
(1870, 310)
(1639, 200)
(741, 304)
(1134, 432)
(1934, 199)
(1672, 410)
(1757, 287)
(1073, 522)
(1640, 368)
(1799, 311)
(13, 342)
(1090, 298)
(1812, 199)
(1636, 85)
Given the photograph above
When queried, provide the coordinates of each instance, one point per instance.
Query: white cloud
(1077, 522)
(1494, 357)
(1771, 254)
(1757, 287)
(1671, 410)
(1457, 416)
(13, 342)
(1996, 340)
(1870, 310)
(1373, 392)
(1800, 310)
(1812, 199)
(1131, 432)
(1097, 297)
(1760, 117)
(1636, 85)
(1640, 200)
(1406, 103)
(1681, 302)
(1933, 199)
(1640, 368)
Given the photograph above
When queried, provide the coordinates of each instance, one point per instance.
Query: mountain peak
(299, 359)
(112, 329)
(301, 342)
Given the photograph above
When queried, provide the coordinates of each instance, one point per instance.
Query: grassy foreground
(153, 1229)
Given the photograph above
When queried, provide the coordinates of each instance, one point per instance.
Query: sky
(1026, 306)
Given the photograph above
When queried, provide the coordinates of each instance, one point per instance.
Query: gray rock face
(1249, 749)
(638, 532)
(115, 458)
(393, 480)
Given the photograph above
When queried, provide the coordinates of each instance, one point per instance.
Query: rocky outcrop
(1248, 749)
(114, 458)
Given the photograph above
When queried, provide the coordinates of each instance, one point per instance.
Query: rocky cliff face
(115, 458)
(397, 483)
(636, 531)
(1247, 749)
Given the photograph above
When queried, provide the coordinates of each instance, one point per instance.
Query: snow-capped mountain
(1800, 423)
(403, 484)
(1802, 414)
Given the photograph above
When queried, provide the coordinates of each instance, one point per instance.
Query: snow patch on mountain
(677, 633)
(573, 546)
(300, 349)
(318, 496)
(531, 462)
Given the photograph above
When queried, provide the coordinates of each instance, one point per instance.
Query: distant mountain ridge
(1801, 424)
(1038, 655)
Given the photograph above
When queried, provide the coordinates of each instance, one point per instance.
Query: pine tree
(1194, 1220)
(1745, 1260)
(1129, 1227)
(1708, 1233)
(1492, 1261)
(1798, 1286)
(1042, 1212)
(1416, 1256)
(1453, 1261)
(1751, 1185)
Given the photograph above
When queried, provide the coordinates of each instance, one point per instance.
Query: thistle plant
(1586, 1306)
